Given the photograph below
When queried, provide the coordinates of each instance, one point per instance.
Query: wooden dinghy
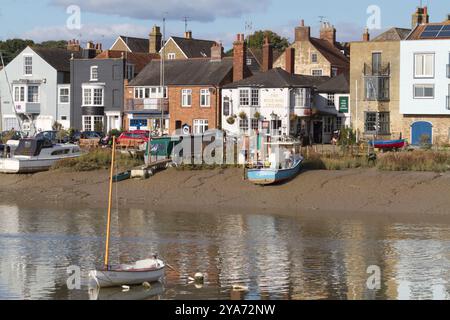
(267, 176)
(388, 144)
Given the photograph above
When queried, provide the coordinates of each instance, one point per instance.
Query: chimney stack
(328, 33)
(74, 46)
(290, 60)
(188, 35)
(239, 58)
(421, 16)
(366, 35)
(267, 63)
(155, 38)
(302, 33)
(217, 52)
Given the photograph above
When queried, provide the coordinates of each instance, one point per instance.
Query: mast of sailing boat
(108, 228)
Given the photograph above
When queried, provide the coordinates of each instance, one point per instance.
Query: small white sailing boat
(149, 270)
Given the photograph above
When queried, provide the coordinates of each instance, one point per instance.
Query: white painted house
(279, 103)
(425, 84)
(37, 91)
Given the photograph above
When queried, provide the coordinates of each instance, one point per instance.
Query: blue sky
(103, 20)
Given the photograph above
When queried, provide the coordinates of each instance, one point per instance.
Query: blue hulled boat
(267, 176)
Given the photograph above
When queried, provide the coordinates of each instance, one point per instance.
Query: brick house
(322, 56)
(191, 99)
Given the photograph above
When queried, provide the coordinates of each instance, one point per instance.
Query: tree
(59, 44)
(256, 40)
(12, 47)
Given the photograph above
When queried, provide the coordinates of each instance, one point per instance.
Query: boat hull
(388, 144)
(14, 165)
(127, 276)
(273, 176)
(122, 176)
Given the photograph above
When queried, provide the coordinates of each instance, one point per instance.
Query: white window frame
(91, 102)
(205, 94)
(200, 126)
(60, 95)
(331, 100)
(426, 74)
(186, 98)
(244, 97)
(424, 86)
(38, 100)
(25, 66)
(92, 121)
(22, 93)
(255, 97)
(171, 56)
(94, 73)
(317, 70)
(227, 101)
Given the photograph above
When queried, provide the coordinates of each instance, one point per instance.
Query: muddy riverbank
(359, 192)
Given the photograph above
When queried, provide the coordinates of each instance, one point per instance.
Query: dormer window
(94, 73)
(28, 65)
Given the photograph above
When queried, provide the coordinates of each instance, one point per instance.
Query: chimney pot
(267, 63)
(217, 52)
(188, 35)
(302, 23)
(239, 58)
(302, 33)
(155, 38)
(366, 35)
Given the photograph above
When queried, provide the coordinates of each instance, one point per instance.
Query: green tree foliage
(256, 40)
(12, 47)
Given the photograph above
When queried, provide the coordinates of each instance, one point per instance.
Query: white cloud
(196, 10)
(98, 33)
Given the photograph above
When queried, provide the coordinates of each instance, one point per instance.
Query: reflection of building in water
(423, 264)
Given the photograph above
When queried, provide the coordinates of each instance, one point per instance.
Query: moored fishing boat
(283, 163)
(34, 155)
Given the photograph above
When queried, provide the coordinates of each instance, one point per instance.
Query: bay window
(33, 94)
(93, 96)
(19, 94)
(28, 94)
(93, 123)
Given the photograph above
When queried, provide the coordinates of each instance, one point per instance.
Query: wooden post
(108, 228)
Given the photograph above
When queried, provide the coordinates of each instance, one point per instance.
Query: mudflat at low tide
(356, 193)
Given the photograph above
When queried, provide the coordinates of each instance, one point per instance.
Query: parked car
(137, 136)
(91, 135)
(51, 136)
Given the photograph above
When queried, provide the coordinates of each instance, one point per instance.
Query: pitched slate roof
(393, 34)
(331, 53)
(417, 32)
(278, 78)
(140, 60)
(194, 48)
(339, 84)
(136, 44)
(185, 72)
(57, 58)
(256, 55)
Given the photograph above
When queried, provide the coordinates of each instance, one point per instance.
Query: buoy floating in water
(240, 288)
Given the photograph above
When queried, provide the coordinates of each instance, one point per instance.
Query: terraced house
(36, 90)
(191, 98)
(425, 84)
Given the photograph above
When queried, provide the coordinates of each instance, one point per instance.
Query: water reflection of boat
(135, 293)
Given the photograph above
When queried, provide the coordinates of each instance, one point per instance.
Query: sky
(219, 20)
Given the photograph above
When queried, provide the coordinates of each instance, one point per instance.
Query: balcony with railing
(151, 105)
(377, 82)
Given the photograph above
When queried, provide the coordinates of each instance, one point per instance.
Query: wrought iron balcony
(383, 70)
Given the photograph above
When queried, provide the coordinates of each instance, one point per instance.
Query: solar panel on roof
(430, 34)
(444, 34)
(433, 28)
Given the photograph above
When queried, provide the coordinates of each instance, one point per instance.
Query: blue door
(421, 132)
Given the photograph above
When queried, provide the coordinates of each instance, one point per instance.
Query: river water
(274, 257)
